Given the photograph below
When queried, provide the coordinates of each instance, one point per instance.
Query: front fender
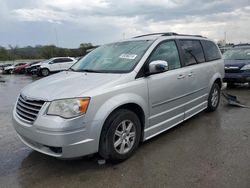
(113, 103)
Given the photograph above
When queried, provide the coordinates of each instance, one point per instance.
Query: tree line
(42, 52)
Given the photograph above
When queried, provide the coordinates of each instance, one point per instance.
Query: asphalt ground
(208, 150)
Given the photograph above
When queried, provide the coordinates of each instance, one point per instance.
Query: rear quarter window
(211, 50)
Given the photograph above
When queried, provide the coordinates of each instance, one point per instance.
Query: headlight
(69, 108)
(246, 67)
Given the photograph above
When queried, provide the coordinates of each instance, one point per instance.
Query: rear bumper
(237, 77)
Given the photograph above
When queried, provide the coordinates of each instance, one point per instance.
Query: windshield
(45, 61)
(117, 57)
(237, 54)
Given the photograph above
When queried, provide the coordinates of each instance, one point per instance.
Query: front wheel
(214, 98)
(120, 136)
(45, 72)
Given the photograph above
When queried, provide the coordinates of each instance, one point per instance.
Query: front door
(167, 91)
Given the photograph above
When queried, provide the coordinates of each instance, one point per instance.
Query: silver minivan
(119, 95)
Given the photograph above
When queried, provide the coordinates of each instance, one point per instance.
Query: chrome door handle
(181, 76)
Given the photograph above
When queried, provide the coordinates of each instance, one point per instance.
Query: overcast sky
(67, 23)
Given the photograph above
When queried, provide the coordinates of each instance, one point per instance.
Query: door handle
(181, 76)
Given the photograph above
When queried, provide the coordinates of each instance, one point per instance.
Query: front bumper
(61, 144)
(237, 77)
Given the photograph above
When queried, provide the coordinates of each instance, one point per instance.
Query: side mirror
(158, 66)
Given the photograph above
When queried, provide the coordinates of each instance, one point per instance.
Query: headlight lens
(69, 108)
(246, 67)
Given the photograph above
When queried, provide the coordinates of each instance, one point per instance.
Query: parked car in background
(2, 65)
(10, 69)
(237, 65)
(55, 65)
(31, 66)
(20, 69)
(130, 91)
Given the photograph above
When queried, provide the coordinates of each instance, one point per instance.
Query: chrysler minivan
(119, 95)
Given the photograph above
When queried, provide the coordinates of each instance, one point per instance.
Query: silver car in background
(119, 95)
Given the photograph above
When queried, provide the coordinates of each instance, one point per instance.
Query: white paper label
(127, 56)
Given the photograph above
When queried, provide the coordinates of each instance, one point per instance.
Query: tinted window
(167, 51)
(66, 60)
(193, 52)
(211, 50)
(56, 61)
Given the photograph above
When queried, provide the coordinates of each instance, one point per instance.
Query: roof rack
(168, 34)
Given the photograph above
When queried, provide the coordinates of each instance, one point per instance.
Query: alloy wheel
(124, 137)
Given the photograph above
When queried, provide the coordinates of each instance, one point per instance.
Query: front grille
(233, 71)
(28, 109)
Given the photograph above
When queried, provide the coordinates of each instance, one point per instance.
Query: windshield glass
(117, 57)
(45, 61)
(237, 54)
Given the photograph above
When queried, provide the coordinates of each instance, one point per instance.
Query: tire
(214, 98)
(44, 72)
(120, 136)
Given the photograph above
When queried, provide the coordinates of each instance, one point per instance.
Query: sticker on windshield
(128, 56)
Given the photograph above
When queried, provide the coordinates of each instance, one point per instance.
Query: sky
(67, 23)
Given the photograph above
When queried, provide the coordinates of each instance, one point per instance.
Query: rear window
(193, 53)
(211, 50)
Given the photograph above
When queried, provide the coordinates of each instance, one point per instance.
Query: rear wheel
(120, 136)
(45, 72)
(214, 98)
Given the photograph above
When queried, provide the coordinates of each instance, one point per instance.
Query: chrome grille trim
(30, 103)
(20, 103)
(28, 109)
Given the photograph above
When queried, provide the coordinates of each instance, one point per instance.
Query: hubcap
(124, 137)
(45, 72)
(215, 97)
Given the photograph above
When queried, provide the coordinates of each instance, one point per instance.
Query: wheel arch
(129, 101)
(217, 78)
(134, 107)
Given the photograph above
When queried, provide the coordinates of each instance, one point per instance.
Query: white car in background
(55, 65)
(10, 69)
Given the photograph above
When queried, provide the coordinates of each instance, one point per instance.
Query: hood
(236, 63)
(67, 84)
(37, 64)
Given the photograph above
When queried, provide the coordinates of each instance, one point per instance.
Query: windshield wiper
(89, 70)
(70, 69)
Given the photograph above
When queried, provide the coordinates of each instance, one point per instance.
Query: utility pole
(225, 37)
